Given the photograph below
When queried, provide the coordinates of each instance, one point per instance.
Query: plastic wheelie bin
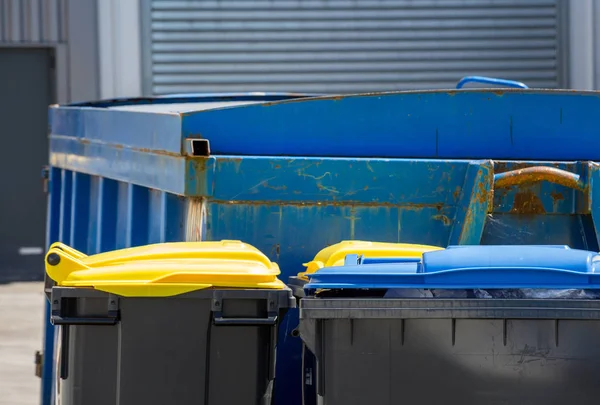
(377, 350)
(290, 176)
(180, 323)
(335, 255)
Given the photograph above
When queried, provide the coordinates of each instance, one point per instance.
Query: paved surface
(21, 330)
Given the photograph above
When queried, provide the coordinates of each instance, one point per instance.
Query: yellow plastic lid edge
(150, 290)
(171, 290)
(394, 250)
(74, 253)
(178, 250)
(381, 249)
(60, 264)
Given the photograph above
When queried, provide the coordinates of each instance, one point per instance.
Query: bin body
(88, 356)
(454, 351)
(335, 255)
(167, 350)
(173, 322)
(379, 350)
(291, 177)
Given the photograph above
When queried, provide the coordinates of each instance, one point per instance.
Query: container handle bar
(269, 321)
(490, 80)
(536, 174)
(60, 320)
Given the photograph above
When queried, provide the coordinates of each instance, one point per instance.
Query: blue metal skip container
(378, 350)
(291, 174)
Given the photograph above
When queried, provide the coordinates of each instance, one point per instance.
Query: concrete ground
(21, 331)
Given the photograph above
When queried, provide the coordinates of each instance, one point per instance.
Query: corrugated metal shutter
(33, 21)
(347, 45)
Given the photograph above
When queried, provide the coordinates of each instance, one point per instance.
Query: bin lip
(285, 296)
(165, 269)
(314, 308)
(469, 267)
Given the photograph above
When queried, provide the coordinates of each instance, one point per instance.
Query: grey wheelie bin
(176, 323)
(334, 255)
(378, 341)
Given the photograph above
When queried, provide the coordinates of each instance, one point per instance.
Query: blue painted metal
(195, 98)
(490, 80)
(471, 124)
(473, 204)
(494, 267)
(143, 186)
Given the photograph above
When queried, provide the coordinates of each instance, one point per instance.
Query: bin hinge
(45, 178)
(39, 361)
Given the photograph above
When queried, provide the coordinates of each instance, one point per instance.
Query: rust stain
(195, 176)
(365, 188)
(467, 223)
(443, 218)
(277, 188)
(300, 172)
(277, 166)
(526, 202)
(537, 174)
(155, 152)
(504, 166)
(456, 193)
(325, 188)
(499, 93)
(482, 195)
(199, 165)
(331, 203)
(556, 197)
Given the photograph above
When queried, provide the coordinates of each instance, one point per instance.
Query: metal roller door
(347, 45)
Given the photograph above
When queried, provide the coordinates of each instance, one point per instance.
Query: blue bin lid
(468, 267)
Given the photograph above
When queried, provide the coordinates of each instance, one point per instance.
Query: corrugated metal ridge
(349, 46)
(33, 21)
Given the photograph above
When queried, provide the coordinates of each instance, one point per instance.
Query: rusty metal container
(292, 174)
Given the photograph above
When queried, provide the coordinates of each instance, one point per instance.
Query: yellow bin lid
(334, 255)
(164, 270)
